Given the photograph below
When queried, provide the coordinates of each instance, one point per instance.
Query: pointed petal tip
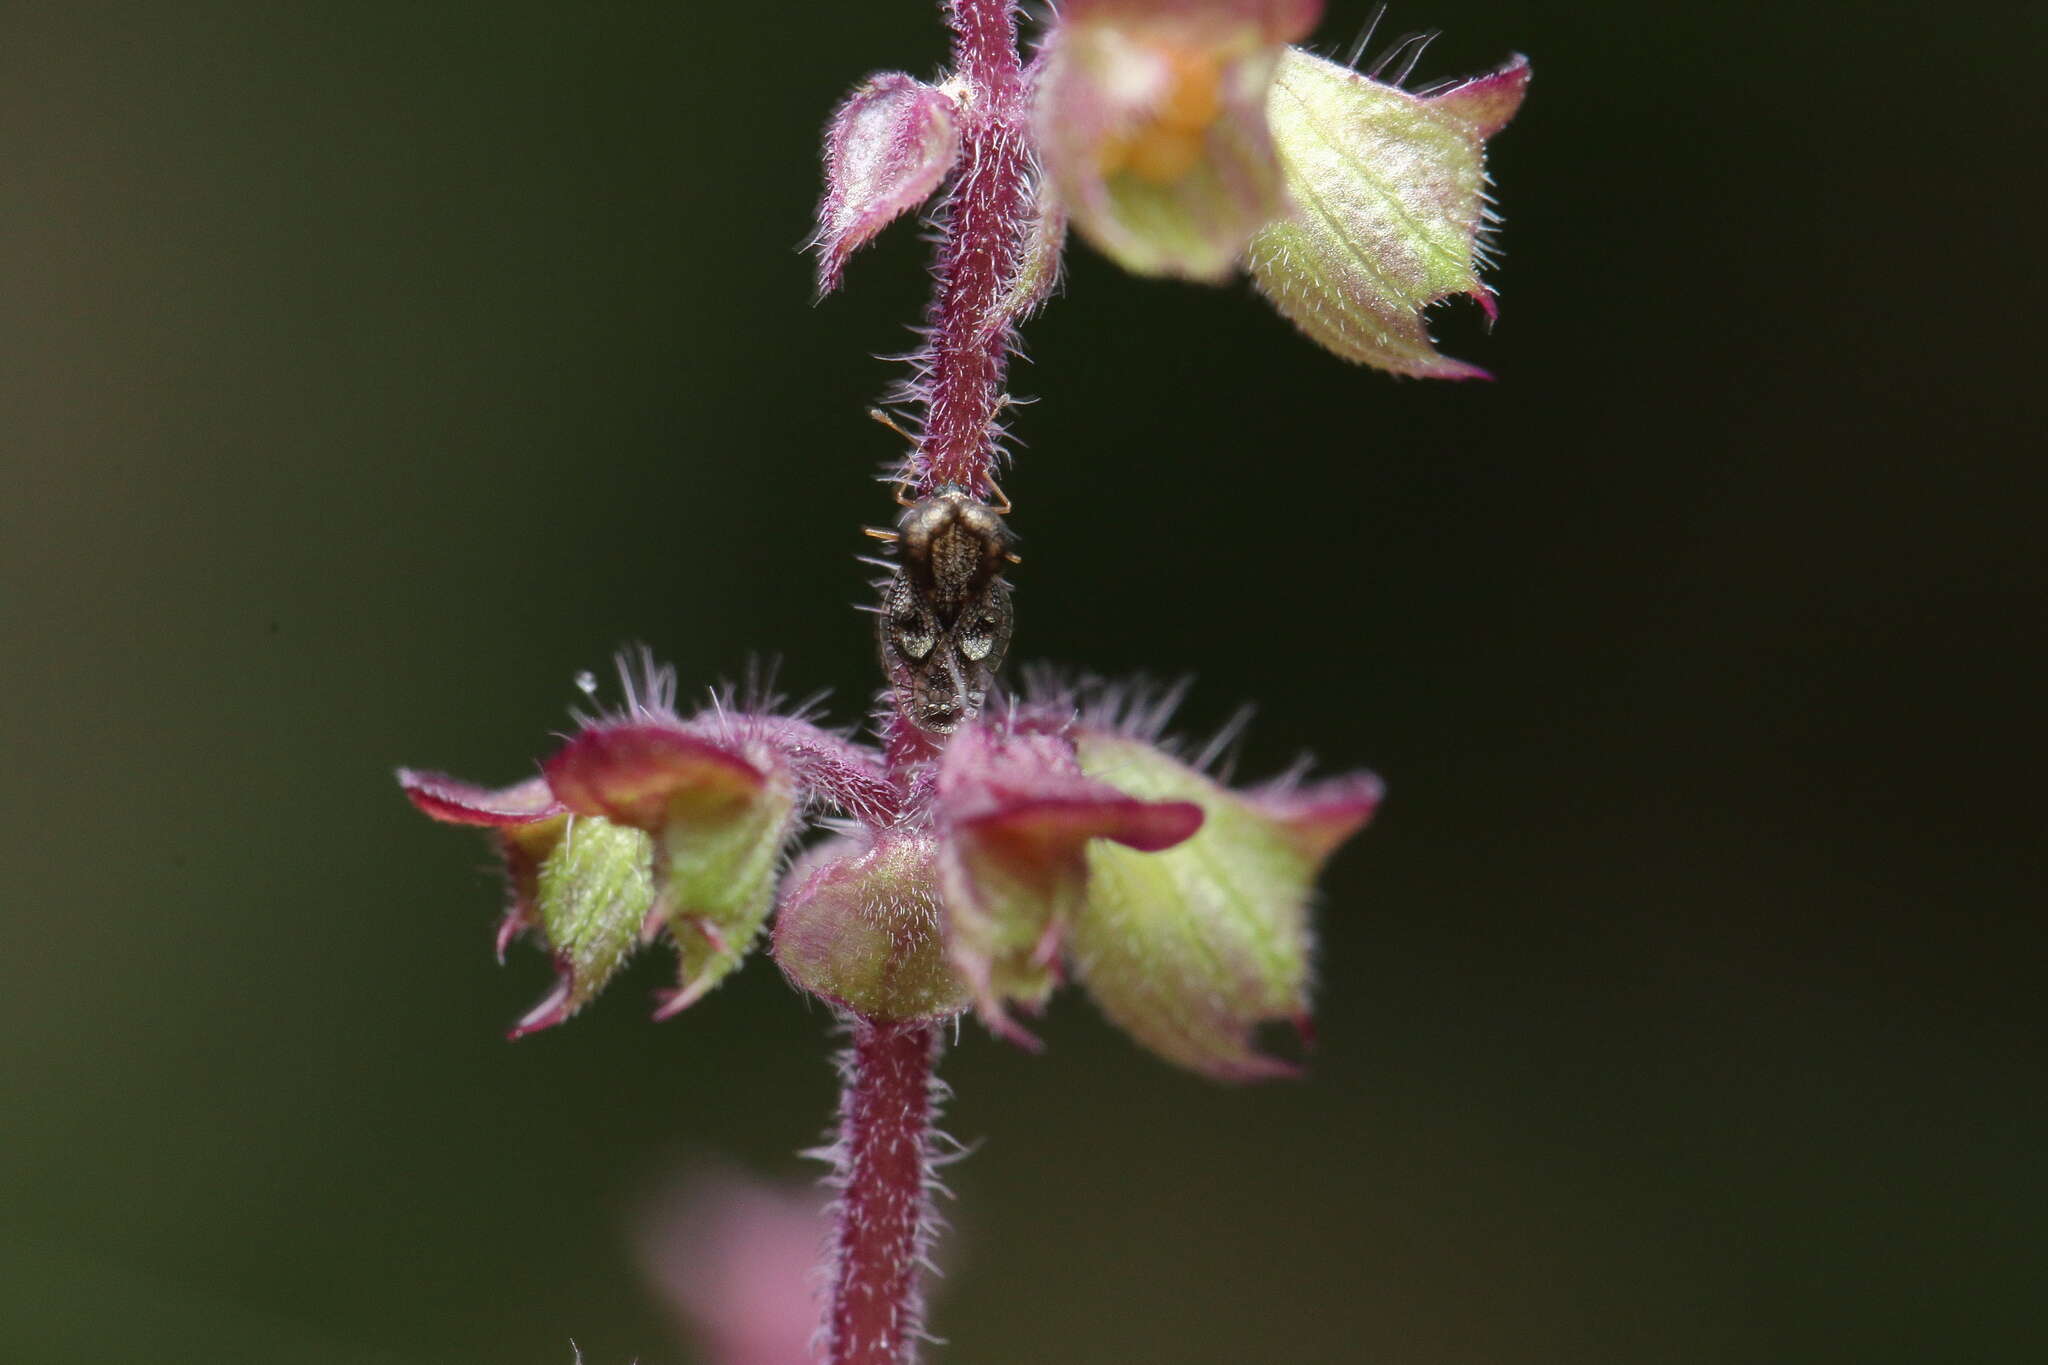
(515, 922)
(1486, 103)
(1457, 371)
(1320, 818)
(989, 1007)
(1045, 955)
(553, 1008)
(455, 802)
(1451, 368)
(998, 1021)
(1293, 1034)
(668, 1004)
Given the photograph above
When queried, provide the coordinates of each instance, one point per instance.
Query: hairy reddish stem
(981, 226)
(883, 1217)
(884, 1174)
(841, 772)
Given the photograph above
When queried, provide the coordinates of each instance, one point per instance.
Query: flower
(582, 885)
(1018, 817)
(646, 823)
(1064, 832)
(1150, 117)
(719, 810)
(1388, 195)
(1184, 137)
(1189, 951)
(1059, 833)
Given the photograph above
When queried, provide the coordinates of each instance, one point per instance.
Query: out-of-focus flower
(1388, 208)
(732, 1257)
(1150, 118)
(887, 148)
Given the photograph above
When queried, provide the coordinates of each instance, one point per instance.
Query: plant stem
(960, 375)
(884, 1217)
(884, 1222)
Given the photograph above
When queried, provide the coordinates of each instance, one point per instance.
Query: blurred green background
(370, 369)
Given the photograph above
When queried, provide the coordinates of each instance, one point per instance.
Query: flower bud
(860, 926)
(581, 883)
(1189, 949)
(887, 148)
(1389, 201)
(719, 809)
(1151, 119)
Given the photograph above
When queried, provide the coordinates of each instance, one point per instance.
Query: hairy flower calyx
(1388, 195)
(645, 824)
(1150, 117)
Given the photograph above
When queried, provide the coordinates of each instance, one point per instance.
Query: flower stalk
(990, 846)
(982, 227)
(884, 1223)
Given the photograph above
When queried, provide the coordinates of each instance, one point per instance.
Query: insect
(944, 623)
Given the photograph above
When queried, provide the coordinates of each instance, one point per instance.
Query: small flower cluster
(1059, 833)
(993, 846)
(996, 845)
(1186, 138)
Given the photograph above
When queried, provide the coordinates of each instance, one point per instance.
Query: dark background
(369, 370)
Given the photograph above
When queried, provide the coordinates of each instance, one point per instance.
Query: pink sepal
(628, 773)
(669, 1003)
(1066, 823)
(553, 1008)
(517, 920)
(455, 802)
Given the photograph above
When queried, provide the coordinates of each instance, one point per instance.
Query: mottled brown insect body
(946, 618)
